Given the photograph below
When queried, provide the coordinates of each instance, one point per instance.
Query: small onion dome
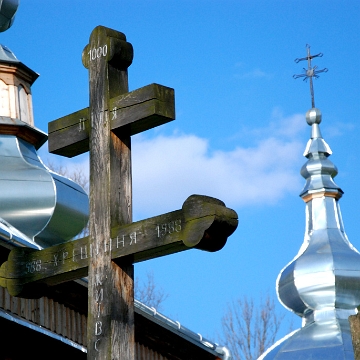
(8, 9)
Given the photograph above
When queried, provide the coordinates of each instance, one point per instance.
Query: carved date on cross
(202, 223)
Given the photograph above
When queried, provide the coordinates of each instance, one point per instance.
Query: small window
(24, 108)
(4, 100)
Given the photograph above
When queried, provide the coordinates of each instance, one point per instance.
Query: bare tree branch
(149, 293)
(248, 330)
(75, 174)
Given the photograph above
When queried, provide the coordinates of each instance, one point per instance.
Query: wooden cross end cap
(110, 45)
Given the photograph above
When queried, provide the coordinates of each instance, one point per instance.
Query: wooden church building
(54, 327)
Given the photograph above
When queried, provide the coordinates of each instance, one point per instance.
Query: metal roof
(7, 55)
(322, 283)
(177, 328)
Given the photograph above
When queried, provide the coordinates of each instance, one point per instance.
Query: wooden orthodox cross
(115, 242)
(110, 302)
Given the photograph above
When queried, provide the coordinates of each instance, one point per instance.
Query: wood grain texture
(139, 110)
(99, 321)
(69, 135)
(354, 321)
(110, 304)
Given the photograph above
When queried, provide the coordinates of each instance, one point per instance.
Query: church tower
(45, 207)
(322, 283)
(16, 112)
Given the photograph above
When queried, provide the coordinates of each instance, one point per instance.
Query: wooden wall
(49, 314)
(153, 341)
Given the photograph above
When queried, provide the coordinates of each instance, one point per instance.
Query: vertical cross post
(111, 286)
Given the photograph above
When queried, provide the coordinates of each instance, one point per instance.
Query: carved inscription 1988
(80, 251)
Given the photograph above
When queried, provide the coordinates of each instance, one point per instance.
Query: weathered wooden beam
(110, 323)
(140, 110)
(143, 109)
(69, 135)
(354, 321)
(203, 223)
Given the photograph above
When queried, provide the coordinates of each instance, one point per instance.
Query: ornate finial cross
(310, 72)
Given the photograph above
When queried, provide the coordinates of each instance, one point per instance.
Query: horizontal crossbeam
(140, 110)
(203, 222)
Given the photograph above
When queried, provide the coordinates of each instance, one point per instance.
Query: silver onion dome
(46, 207)
(38, 208)
(8, 9)
(322, 283)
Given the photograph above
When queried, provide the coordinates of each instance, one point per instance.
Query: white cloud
(167, 169)
(286, 128)
(254, 74)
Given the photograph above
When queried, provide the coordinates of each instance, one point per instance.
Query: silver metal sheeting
(221, 351)
(11, 237)
(46, 207)
(8, 9)
(322, 283)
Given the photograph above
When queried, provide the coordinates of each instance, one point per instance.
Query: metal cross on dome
(310, 72)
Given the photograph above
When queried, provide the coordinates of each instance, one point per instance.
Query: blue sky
(240, 127)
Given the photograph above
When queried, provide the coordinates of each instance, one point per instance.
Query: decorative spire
(318, 171)
(322, 283)
(310, 72)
